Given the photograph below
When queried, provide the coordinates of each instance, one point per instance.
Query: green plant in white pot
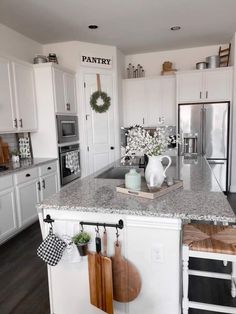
(81, 240)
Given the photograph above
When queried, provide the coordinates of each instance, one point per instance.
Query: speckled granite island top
(200, 198)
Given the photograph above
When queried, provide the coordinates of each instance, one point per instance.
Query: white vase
(155, 172)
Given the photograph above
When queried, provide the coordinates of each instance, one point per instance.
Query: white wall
(17, 45)
(182, 59)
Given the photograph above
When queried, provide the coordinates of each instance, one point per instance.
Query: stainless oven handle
(64, 154)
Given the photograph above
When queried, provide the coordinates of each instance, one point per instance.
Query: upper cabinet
(17, 102)
(7, 109)
(146, 100)
(24, 90)
(204, 85)
(65, 92)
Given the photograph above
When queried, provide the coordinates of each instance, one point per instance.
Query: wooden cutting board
(126, 278)
(4, 152)
(100, 279)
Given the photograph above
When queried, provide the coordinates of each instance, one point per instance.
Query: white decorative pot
(155, 172)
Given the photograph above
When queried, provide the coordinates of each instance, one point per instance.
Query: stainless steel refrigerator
(204, 129)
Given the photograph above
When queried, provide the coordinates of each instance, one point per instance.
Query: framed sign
(95, 61)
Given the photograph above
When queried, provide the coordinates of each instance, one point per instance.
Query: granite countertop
(200, 199)
(24, 164)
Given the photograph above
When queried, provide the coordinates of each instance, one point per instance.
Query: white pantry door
(100, 126)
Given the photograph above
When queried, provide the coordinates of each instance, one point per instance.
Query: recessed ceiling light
(92, 26)
(175, 28)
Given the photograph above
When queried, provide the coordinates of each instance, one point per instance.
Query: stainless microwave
(67, 129)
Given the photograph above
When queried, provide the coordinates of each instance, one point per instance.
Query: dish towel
(66, 230)
(72, 162)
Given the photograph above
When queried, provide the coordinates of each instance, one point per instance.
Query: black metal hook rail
(120, 224)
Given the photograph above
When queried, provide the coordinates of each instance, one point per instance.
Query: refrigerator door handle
(214, 162)
(204, 131)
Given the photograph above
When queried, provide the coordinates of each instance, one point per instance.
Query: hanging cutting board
(100, 280)
(126, 278)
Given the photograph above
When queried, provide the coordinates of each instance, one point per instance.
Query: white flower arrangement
(140, 141)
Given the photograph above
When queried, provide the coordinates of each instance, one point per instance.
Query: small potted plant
(81, 240)
(15, 156)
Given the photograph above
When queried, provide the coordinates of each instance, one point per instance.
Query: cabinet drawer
(48, 168)
(6, 182)
(27, 175)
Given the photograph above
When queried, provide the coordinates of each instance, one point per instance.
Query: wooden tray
(144, 192)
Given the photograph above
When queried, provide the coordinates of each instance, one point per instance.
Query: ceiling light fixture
(92, 26)
(175, 28)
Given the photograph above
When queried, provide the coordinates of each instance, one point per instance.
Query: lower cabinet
(8, 221)
(49, 185)
(19, 194)
(27, 197)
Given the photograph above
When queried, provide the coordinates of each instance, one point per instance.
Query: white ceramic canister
(133, 180)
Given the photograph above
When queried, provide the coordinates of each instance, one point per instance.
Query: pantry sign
(96, 61)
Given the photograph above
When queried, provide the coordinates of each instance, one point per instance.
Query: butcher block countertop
(200, 198)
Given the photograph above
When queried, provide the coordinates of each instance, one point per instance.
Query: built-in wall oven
(67, 129)
(69, 157)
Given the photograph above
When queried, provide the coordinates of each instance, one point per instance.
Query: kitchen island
(151, 238)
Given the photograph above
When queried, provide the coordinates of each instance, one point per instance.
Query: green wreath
(106, 101)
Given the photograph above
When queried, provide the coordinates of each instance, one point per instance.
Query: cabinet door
(49, 185)
(168, 100)
(7, 213)
(59, 91)
(153, 101)
(134, 102)
(70, 94)
(218, 85)
(190, 87)
(7, 112)
(27, 198)
(24, 87)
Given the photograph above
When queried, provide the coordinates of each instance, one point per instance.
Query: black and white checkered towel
(51, 249)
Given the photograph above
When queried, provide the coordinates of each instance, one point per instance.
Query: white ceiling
(132, 25)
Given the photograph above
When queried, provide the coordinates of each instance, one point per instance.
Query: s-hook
(49, 220)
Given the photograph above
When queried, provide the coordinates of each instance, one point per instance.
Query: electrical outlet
(157, 255)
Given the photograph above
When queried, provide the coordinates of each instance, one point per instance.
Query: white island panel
(150, 243)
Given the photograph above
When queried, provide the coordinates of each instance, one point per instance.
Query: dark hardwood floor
(24, 286)
(23, 276)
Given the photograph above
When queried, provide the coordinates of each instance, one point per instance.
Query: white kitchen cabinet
(49, 185)
(70, 93)
(146, 100)
(218, 84)
(48, 180)
(8, 221)
(25, 100)
(161, 102)
(7, 110)
(134, 102)
(19, 194)
(59, 90)
(27, 193)
(64, 89)
(204, 85)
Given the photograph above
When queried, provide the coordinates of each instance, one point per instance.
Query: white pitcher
(155, 173)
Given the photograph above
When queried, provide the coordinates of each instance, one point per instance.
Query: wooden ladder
(224, 55)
